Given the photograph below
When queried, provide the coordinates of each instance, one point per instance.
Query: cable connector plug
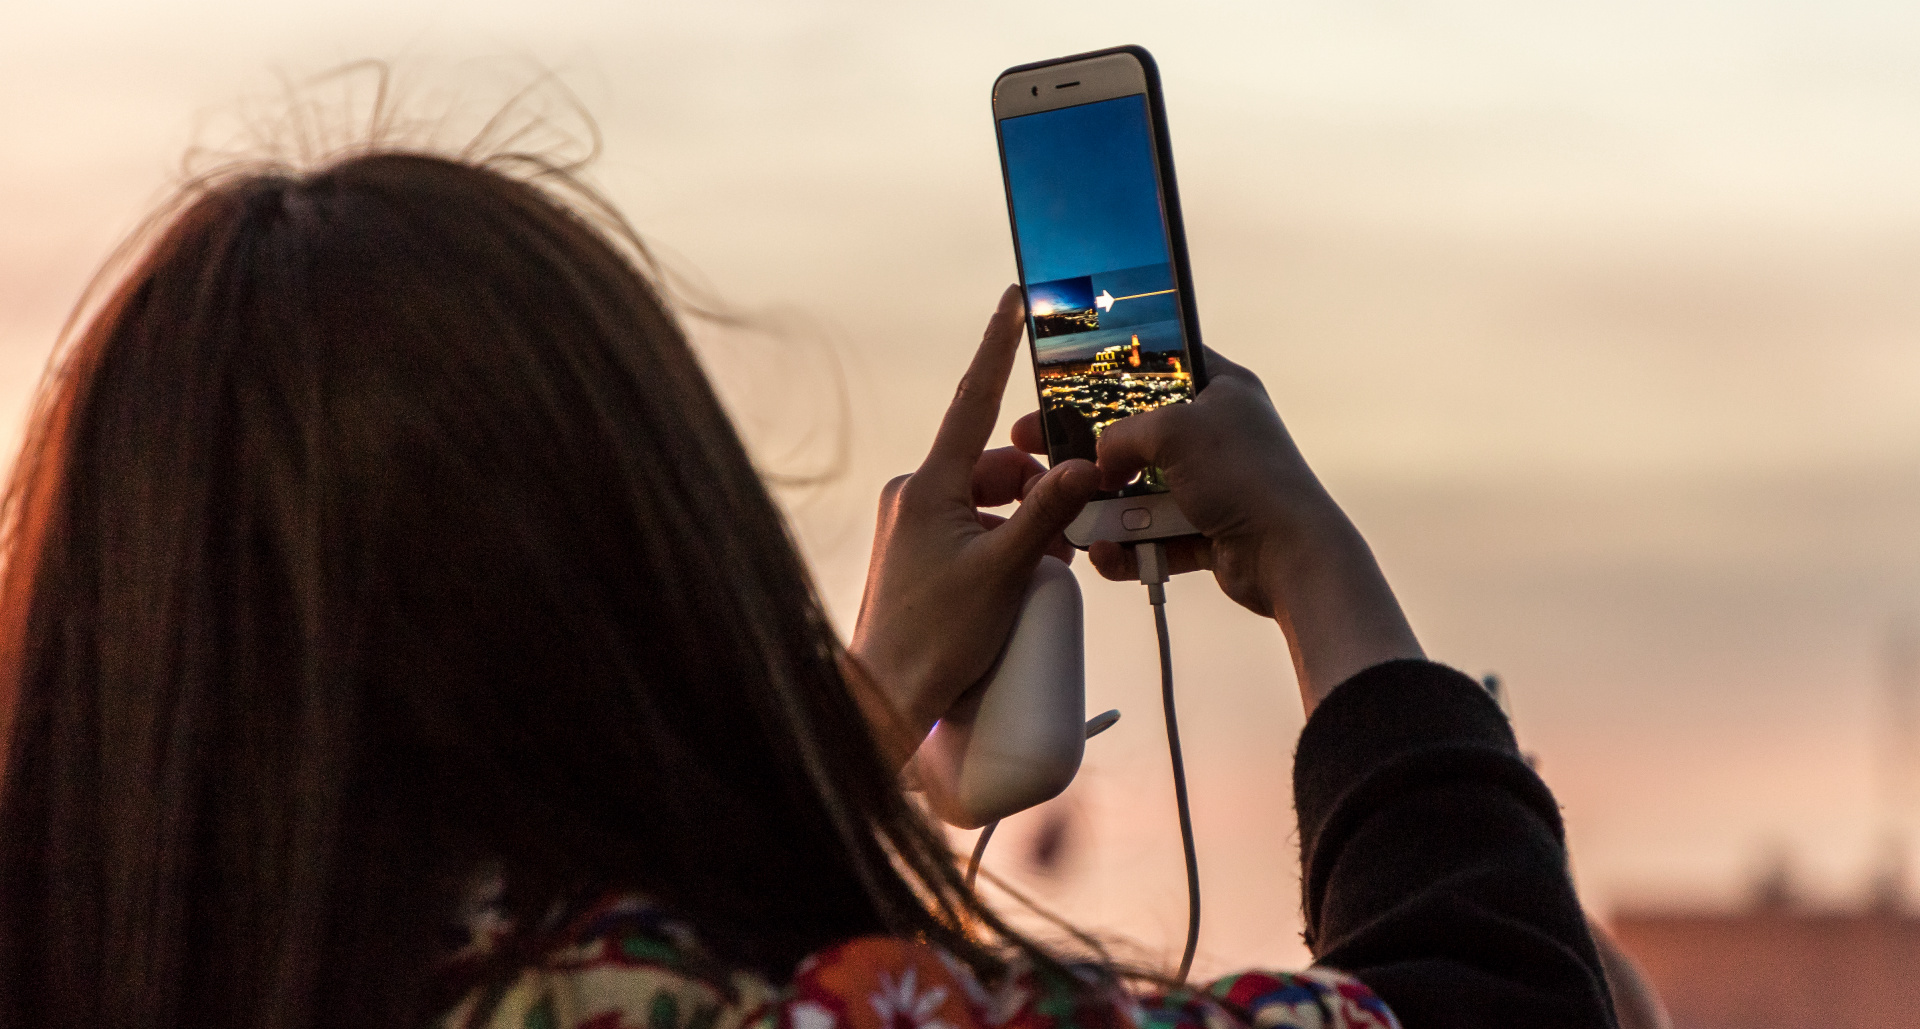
(1151, 558)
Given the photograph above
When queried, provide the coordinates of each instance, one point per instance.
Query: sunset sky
(1603, 321)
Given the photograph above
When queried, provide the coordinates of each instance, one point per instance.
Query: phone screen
(1103, 308)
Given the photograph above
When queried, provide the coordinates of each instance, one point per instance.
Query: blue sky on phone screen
(1083, 189)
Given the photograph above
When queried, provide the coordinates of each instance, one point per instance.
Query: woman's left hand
(946, 578)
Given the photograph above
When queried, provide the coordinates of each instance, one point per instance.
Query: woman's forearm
(1433, 860)
(1333, 603)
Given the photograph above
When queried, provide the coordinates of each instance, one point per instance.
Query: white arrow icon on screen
(1106, 300)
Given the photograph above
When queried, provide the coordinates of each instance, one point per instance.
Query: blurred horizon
(1602, 323)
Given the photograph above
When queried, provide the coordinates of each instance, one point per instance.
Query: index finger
(969, 420)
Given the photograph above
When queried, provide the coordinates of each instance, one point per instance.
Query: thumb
(1136, 441)
(1051, 504)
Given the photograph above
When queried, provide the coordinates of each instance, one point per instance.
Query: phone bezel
(1070, 82)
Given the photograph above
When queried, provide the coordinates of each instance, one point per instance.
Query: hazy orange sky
(1602, 322)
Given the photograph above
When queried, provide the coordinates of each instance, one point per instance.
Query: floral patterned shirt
(632, 967)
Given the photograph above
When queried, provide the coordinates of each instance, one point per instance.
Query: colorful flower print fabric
(638, 970)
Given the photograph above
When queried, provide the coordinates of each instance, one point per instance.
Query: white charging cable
(1151, 557)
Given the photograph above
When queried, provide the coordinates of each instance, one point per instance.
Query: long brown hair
(381, 527)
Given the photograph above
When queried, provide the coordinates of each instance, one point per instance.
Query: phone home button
(1134, 519)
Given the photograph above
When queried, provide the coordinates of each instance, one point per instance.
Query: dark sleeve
(1433, 863)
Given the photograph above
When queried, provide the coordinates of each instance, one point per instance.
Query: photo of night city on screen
(1099, 361)
(1104, 308)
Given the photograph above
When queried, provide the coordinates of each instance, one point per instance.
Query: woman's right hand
(1271, 534)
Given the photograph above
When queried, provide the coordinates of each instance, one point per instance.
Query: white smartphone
(1103, 261)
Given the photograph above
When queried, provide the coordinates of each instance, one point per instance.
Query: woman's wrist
(885, 688)
(898, 672)
(1334, 604)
